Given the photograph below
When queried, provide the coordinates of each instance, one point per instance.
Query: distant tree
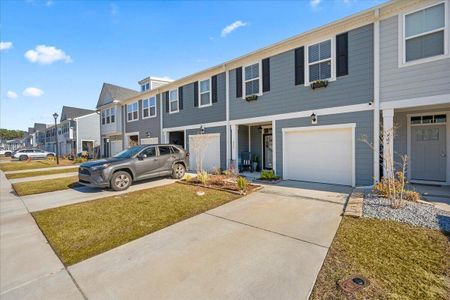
(9, 134)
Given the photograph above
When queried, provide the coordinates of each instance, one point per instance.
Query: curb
(354, 206)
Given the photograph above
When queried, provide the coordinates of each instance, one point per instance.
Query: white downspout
(227, 116)
(376, 98)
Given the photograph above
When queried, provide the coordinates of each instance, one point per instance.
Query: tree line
(9, 134)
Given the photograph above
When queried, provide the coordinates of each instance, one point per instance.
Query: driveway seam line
(267, 230)
(299, 196)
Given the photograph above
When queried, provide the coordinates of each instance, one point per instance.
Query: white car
(5, 152)
(25, 154)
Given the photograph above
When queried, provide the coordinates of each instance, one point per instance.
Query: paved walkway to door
(268, 245)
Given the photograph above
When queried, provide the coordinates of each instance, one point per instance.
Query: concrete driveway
(268, 245)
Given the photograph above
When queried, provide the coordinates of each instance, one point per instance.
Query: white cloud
(11, 95)
(314, 3)
(5, 45)
(32, 92)
(43, 54)
(232, 27)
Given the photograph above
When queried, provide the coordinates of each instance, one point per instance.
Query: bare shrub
(203, 177)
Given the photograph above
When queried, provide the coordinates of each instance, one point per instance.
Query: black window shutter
(266, 74)
(196, 94)
(239, 82)
(214, 89)
(299, 65)
(342, 54)
(166, 98)
(180, 98)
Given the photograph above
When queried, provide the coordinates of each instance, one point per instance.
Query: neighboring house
(303, 106)
(35, 135)
(111, 123)
(414, 87)
(87, 133)
(15, 144)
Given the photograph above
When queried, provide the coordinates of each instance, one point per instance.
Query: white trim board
(305, 113)
(408, 145)
(352, 126)
(421, 101)
(195, 126)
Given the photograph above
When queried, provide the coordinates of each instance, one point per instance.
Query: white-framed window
(149, 108)
(173, 101)
(252, 80)
(145, 87)
(132, 112)
(204, 92)
(113, 114)
(424, 34)
(320, 61)
(108, 116)
(103, 117)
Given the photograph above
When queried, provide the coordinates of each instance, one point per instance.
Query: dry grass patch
(34, 164)
(83, 230)
(40, 173)
(45, 186)
(400, 261)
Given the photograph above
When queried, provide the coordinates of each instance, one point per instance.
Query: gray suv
(134, 164)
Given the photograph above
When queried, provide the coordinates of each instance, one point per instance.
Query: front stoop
(354, 207)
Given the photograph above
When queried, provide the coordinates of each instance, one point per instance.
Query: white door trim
(352, 126)
(408, 148)
(128, 134)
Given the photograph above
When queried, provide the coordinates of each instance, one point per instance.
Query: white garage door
(319, 155)
(116, 147)
(204, 151)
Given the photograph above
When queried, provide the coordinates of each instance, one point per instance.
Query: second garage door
(204, 147)
(319, 154)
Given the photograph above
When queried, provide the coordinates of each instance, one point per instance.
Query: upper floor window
(113, 114)
(205, 93)
(252, 79)
(108, 116)
(132, 112)
(424, 33)
(319, 61)
(145, 87)
(173, 101)
(149, 107)
(103, 117)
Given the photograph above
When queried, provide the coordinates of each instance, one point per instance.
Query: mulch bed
(222, 183)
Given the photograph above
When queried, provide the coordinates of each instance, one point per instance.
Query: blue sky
(56, 53)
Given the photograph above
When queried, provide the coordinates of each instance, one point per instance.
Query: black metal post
(55, 116)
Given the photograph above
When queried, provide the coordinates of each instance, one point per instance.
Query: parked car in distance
(134, 164)
(24, 154)
(5, 152)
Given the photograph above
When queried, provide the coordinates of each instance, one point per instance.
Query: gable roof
(69, 112)
(111, 92)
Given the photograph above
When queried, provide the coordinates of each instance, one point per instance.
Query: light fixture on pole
(55, 116)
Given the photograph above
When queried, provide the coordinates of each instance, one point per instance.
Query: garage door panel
(323, 155)
(210, 151)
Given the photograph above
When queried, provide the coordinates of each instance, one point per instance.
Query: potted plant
(318, 84)
(255, 160)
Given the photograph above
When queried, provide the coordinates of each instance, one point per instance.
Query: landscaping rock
(417, 214)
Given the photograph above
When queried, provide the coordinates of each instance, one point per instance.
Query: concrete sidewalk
(29, 269)
(43, 177)
(83, 194)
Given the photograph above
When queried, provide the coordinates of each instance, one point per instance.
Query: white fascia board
(421, 101)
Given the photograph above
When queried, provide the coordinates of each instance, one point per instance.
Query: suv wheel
(178, 171)
(121, 180)
(23, 157)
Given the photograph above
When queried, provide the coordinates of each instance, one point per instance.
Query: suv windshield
(128, 153)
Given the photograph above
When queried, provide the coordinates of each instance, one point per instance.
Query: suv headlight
(100, 167)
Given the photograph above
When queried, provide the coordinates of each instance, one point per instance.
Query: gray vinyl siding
(194, 115)
(256, 142)
(223, 147)
(420, 80)
(363, 153)
(242, 139)
(143, 126)
(284, 96)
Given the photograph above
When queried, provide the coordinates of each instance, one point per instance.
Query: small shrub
(216, 171)
(242, 184)
(187, 177)
(268, 175)
(203, 177)
(51, 158)
(387, 188)
(230, 172)
(80, 160)
(412, 196)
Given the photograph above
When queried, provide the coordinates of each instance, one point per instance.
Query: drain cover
(353, 283)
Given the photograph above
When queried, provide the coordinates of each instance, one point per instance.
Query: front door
(267, 151)
(428, 152)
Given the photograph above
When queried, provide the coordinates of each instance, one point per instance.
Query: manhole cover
(353, 283)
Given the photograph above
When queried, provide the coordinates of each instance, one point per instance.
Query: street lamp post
(55, 116)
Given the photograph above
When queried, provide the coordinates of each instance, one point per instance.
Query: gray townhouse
(303, 106)
(35, 137)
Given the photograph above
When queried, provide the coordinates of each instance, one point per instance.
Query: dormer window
(145, 87)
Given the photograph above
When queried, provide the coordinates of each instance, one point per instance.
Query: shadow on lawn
(444, 224)
(92, 190)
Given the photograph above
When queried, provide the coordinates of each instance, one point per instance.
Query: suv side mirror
(141, 156)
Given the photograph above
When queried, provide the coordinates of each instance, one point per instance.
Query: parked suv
(134, 164)
(25, 154)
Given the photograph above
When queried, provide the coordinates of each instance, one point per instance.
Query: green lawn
(400, 261)
(34, 164)
(45, 186)
(40, 173)
(83, 230)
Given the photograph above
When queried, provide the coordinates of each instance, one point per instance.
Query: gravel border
(416, 214)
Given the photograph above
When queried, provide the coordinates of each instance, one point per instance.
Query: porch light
(147, 134)
(202, 130)
(313, 118)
